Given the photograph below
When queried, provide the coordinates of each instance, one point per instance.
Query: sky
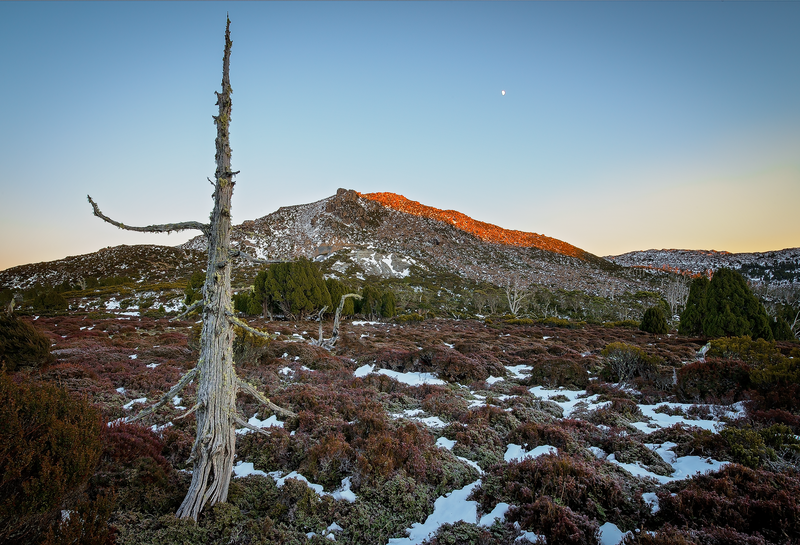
(624, 125)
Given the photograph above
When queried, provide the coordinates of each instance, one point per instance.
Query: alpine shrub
(49, 447)
(654, 321)
(22, 345)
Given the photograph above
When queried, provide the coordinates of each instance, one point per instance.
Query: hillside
(776, 268)
(386, 235)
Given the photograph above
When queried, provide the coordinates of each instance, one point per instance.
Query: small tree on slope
(724, 307)
(214, 446)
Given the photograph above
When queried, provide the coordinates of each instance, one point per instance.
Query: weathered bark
(214, 447)
(215, 442)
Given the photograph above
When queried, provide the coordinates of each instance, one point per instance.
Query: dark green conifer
(337, 288)
(388, 305)
(654, 321)
(695, 310)
(724, 307)
(296, 288)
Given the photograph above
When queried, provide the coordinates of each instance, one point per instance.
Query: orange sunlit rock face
(484, 231)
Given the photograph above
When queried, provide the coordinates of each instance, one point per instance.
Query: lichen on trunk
(215, 443)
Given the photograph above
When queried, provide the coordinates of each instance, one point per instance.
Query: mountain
(387, 235)
(776, 268)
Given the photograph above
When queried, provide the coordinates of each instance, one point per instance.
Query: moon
(503, 93)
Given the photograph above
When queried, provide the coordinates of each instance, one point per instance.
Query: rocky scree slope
(386, 235)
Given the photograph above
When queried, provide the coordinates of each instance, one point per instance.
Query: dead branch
(163, 228)
(245, 424)
(236, 321)
(319, 319)
(248, 388)
(185, 379)
(188, 310)
(190, 411)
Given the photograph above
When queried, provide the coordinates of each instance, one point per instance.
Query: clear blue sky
(624, 126)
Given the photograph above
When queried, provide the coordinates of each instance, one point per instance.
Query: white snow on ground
(133, 356)
(492, 380)
(444, 442)
(414, 414)
(361, 322)
(112, 304)
(344, 492)
(153, 365)
(610, 534)
(574, 398)
(516, 452)
(651, 499)
(121, 390)
(272, 421)
(449, 508)
(498, 513)
(516, 370)
(363, 371)
(661, 420)
(684, 466)
(412, 379)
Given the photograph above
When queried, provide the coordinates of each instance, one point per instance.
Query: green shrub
(46, 299)
(623, 323)
(520, 321)
(22, 345)
(625, 361)
(747, 447)
(654, 321)
(403, 318)
(294, 288)
(754, 352)
(194, 289)
(49, 447)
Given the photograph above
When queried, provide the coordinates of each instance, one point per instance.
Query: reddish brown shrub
(560, 372)
(87, 524)
(49, 446)
(532, 434)
(714, 378)
(557, 523)
(123, 443)
(329, 461)
(569, 480)
(745, 500)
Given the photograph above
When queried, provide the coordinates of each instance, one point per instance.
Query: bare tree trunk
(516, 294)
(328, 344)
(215, 443)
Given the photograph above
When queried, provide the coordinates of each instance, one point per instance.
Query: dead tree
(516, 293)
(676, 292)
(218, 384)
(328, 344)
